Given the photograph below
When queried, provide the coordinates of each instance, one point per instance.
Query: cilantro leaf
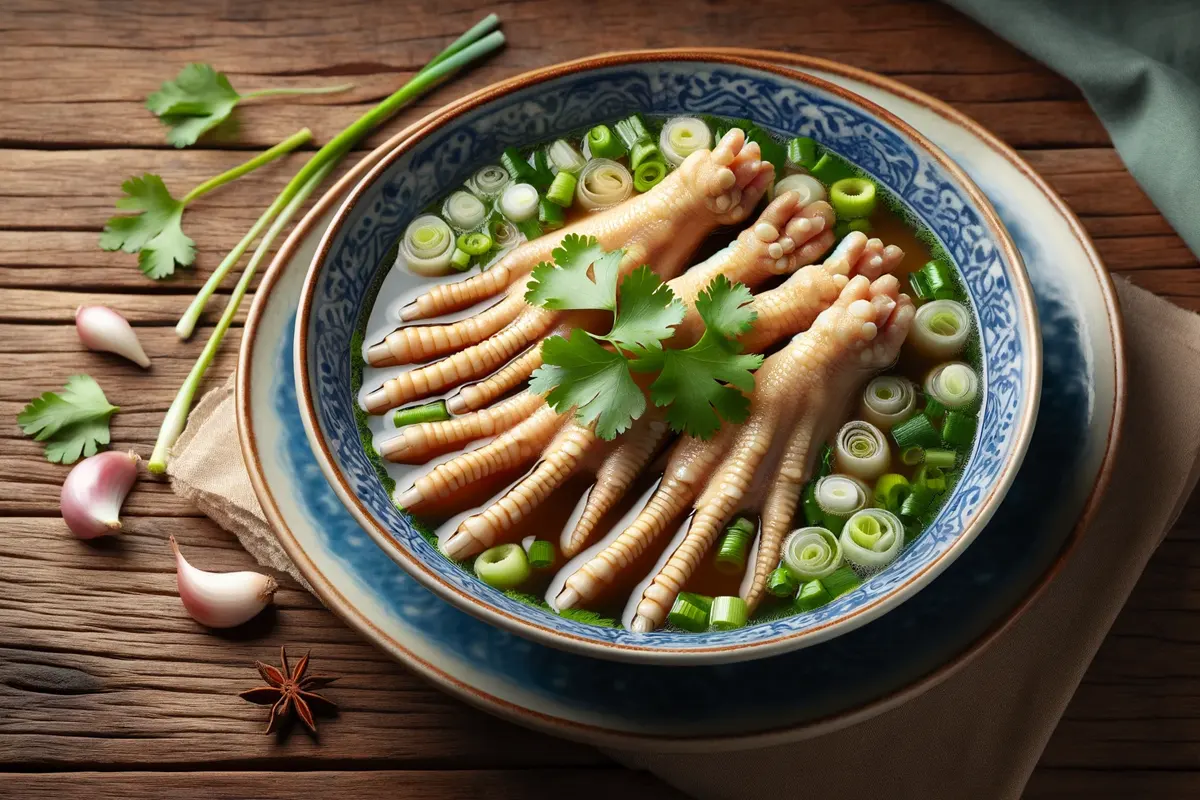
(647, 311)
(705, 380)
(725, 307)
(579, 372)
(156, 233)
(72, 423)
(565, 284)
(198, 100)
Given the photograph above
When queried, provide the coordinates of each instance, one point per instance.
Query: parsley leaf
(565, 284)
(725, 307)
(72, 423)
(647, 311)
(580, 373)
(693, 385)
(156, 234)
(199, 99)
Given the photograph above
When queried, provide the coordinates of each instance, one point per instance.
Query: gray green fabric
(1138, 64)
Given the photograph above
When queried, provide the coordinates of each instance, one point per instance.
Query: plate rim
(333, 599)
(547, 633)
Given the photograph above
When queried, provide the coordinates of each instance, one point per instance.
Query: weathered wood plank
(1111, 784)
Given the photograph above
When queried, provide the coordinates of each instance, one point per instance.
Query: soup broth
(926, 441)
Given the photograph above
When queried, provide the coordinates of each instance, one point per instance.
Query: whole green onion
(781, 583)
(430, 412)
(690, 612)
(632, 130)
(603, 144)
(562, 190)
(916, 432)
(942, 459)
(475, 243)
(812, 595)
(541, 554)
(802, 152)
(727, 613)
(550, 214)
(958, 429)
(840, 582)
(731, 551)
(641, 152)
(648, 175)
(891, 490)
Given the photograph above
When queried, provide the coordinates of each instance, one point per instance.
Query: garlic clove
(101, 328)
(94, 491)
(221, 599)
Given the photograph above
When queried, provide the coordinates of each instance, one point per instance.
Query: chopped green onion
(802, 152)
(464, 211)
(727, 613)
(912, 455)
(942, 459)
(933, 409)
(504, 566)
(838, 497)
(460, 260)
(852, 198)
(542, 176)
(731, 552)
(550, 214)
(840, 582)
(603, 183)
(918, 502)
(781, 583)
(683, 136)
(918, 287)
(530, 228)
(891, 490)
(814, 595)
(940, 329)
(428, 246)
(861, 450)
(489, 181)
(565, 157)
(940, 279)
(632, 130)
(931, 477)
(518, 169)
(541, 554)
(916, 432)
(888, 400)
(562, 189)
(519, 202)
(648, 175)
(603, 144)
(872, 538)
(831, 168)
(847, 226)
(959, 428)
(641, 152)
(812, 552)
(690, 612)
(813, 514)
(955, 385)
(772, 150)
(430, 412)
(475, 243)
(825, 462)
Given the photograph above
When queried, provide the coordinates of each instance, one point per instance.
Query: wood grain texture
(108, 690)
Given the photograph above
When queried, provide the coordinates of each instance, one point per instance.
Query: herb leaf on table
(72, 423)
(156, 233)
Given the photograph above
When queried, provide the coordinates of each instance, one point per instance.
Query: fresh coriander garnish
(73, 423)
(200, 98)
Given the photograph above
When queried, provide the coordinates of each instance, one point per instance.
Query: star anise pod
(290, 691)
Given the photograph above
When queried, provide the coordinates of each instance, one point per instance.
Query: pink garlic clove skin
(94, 490)
(221, 599)
(100, 328)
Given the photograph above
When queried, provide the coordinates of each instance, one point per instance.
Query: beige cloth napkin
(980, 733)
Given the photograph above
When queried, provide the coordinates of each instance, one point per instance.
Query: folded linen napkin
(981, 732)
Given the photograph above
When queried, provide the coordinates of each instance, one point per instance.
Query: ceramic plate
(694, 708)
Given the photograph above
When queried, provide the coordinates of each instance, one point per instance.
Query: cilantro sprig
(200, 98)
(155, 233)
(72, 423)
(593, 373)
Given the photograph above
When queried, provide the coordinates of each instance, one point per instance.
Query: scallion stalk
(727, 613)
(731, 552)
(565, 157)
(917, 502)
(413, 415)
(931, 477)
(810, 553)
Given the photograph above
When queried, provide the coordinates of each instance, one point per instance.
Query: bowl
(557, 100)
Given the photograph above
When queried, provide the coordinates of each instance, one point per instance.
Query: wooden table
(108, 689)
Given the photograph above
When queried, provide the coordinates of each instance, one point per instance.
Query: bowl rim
(545, 633)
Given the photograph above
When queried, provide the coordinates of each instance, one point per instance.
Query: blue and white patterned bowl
(567, 97)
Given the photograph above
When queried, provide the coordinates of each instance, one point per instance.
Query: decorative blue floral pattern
(557, 107)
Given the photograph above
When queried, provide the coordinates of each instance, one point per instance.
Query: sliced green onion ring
(940, 329)
(648, 175)
(888, 400)
(809, 188)
(464, 211)
(683, 136)
(839, 497)
(690, 612)
(872, 538)
(519, 202)
(428, 246)
(476, 243)
(565, 157)
(603, 183)
(781, 583)
(852, 198)
(810, 553)
(504, 566)
(954, 385)
(489, 181)
(861, 449)
(727, 613)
